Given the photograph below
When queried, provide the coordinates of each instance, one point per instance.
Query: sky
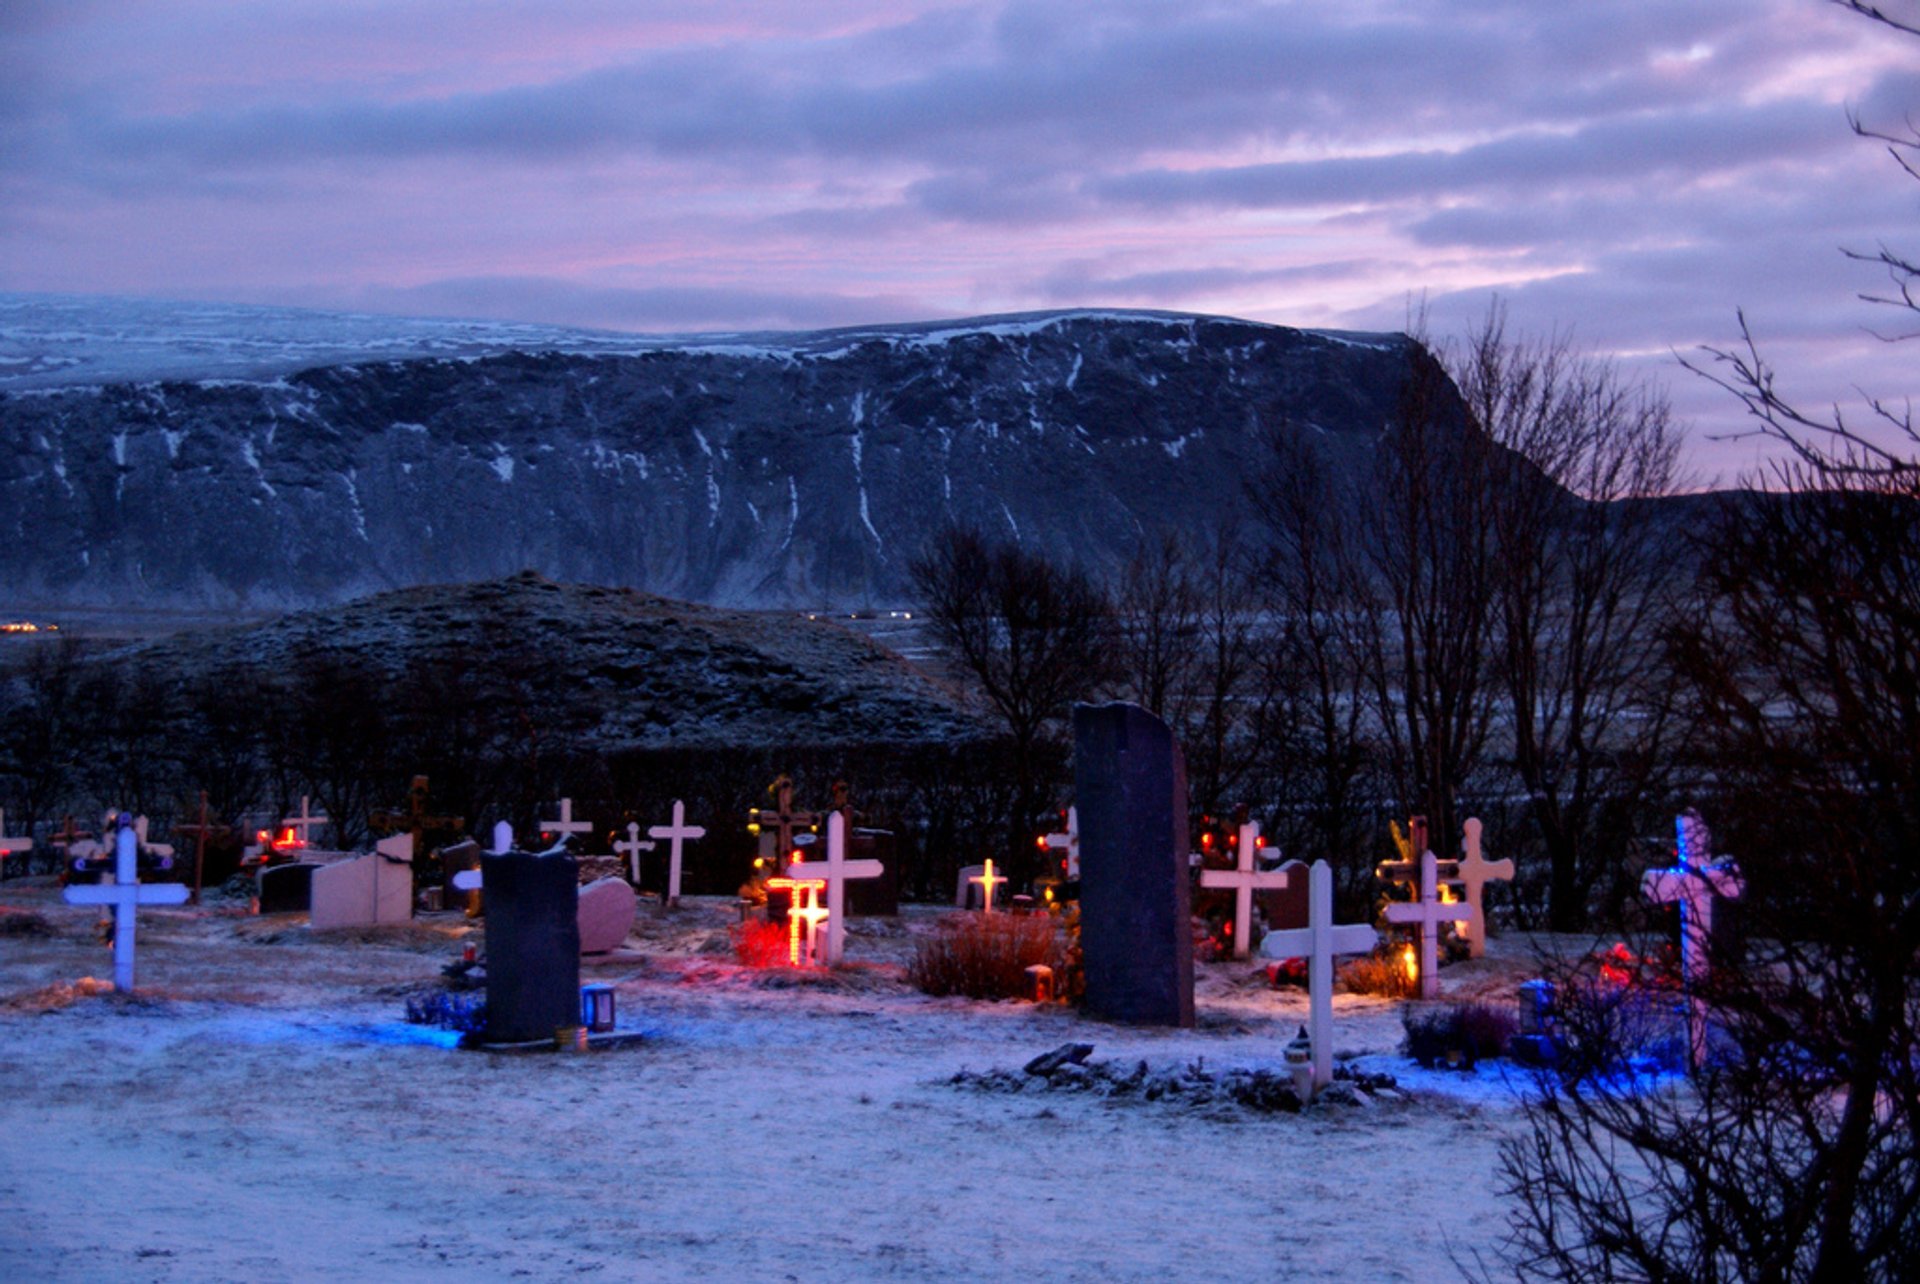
(1628, 173)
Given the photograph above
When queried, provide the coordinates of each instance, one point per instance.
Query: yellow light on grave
(1410, 959)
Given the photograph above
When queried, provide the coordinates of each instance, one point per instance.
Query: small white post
(502, 837)
(675, 834)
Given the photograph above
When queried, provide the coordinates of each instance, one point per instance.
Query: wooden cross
(67, 837)
(415, 820)
(1318, 942)
(304, 824)
(140, 826)
(1429, 912)
(1069, 842)
(125, 893)
(836, 869)
(1243, 879)
(1411, 847)
(1473, 872)
(566, 824)
(988, 880)
(784, 820)
(675, 834)
(634, 845)
(803, 913)
(200, 831)
(9, 846)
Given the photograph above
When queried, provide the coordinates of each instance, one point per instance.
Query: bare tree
(1581, 582)
(1030, 634)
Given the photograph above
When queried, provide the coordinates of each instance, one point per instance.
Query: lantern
(596, 1007)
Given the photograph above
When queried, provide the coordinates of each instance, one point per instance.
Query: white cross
(305, 822)
(1243, 879)
(837, 869)
(140, 824)
(124, 894)
(1430, 912)
(566, 824)
(632, 848)
(804, 912)
(1472, 872)
(1694, 884)
(1069, 842)
(1318, 942)
(675, 833)
(988, 880)
(8, 846)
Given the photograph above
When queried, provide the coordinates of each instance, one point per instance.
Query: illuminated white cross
(305, 822)
(1694, 882)
(1430, 912)
(1318, 942)
(1472, 872)
(566, 824)
(1243, 879)
(804, 912)
(836, 869)
(988, 880)
(124, 894)
(675, 834)
(1069, 842)
(632, 848)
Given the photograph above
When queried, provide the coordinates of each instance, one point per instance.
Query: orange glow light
(1411, 959)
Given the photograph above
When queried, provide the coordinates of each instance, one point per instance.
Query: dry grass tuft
(986, 956)
(1378, 974)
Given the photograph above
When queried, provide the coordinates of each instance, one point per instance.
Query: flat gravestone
(606, 914)
(286, 889)
(366, 891)
(533, 945)
(1136, 935)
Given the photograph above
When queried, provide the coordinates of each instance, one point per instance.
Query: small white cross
(675, 834)
(1069, 842)
(566, 824)
(1430, 912)
(836, 869)
(987, 880)
(305, 822)
(1318, 942)
(1243, 879)
(632, 848)
(124, 894)
(1472, 872)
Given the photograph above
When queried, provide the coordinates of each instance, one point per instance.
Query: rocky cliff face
(799, 470)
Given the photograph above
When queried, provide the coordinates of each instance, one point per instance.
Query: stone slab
(606, 913)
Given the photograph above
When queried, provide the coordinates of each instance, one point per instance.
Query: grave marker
(675, 834)
(1473, 872)
(1428, 913)
(1694, 882)
(566, 824)
(804, 912)
(415, 821)
(303, 825)
(125, 893)
(13, 846)
(1243, 879)
(836, 869)
(783, 818)
(200, 831)
(632, 848)
(987, 881)
(1136, 930)
(533, 944)
(1068, 841)
(1318, 942)
(366, 891)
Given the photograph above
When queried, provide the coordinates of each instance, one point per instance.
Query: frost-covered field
(261, 1112)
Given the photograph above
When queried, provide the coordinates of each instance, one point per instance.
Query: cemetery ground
(260, 1110)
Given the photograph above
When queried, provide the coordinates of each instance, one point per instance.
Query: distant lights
(28, 626)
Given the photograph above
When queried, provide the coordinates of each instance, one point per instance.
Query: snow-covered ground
(260, 1111)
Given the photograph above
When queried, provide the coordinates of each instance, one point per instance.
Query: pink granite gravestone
(368, 890)
(606, 914)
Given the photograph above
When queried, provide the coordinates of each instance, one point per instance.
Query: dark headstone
(873, 897)
(286, 889)
(533, 945)
(1286, 907)
(1136, 937)
(460, 856)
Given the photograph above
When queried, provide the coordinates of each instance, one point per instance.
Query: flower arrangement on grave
(1455, 1036)
(758, 943)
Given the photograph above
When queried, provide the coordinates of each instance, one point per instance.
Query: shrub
(986, 956)
(1381, 973)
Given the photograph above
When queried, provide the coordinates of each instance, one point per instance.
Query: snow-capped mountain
(288, 458)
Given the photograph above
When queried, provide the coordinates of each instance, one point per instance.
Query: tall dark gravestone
(533, 945)
(1136, 934)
